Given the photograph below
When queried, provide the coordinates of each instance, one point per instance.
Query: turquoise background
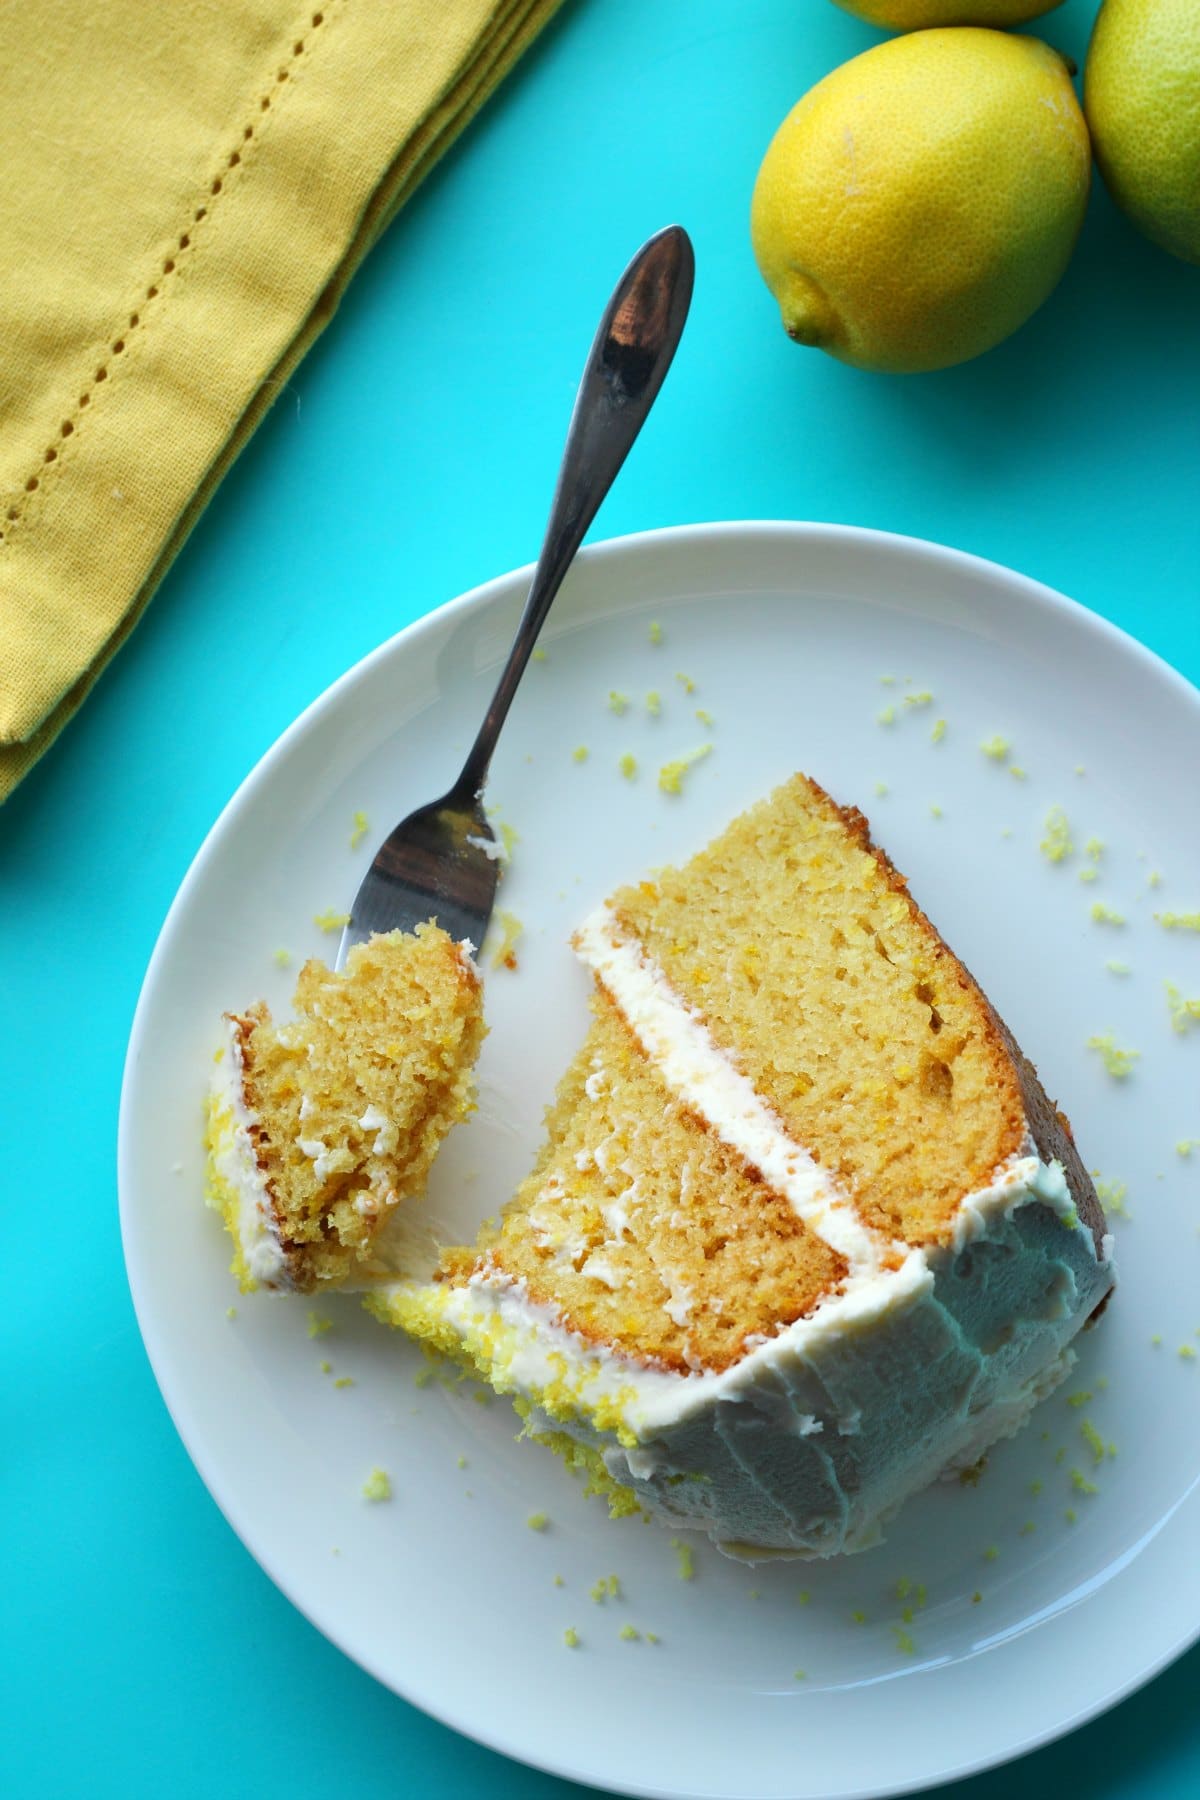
(412, 457)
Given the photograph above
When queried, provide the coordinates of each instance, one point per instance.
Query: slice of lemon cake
(805, 1231)
(319, 1127)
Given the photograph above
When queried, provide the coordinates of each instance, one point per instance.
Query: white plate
(444, 1593)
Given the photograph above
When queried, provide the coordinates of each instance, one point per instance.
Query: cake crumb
(803, 1597)
(1057, 843)
(580, 753)
(358, 829)
(685, 682)
(617, 703)
(1028, 1528)
(330, 920)
(858, 1617)
(1115, 967)
(231, 1312)
(283, 958)
(1080, 1482)
(318, 1325)
(656, 632)
(991, 1553)
(887, 681)
(800, 1675)
(904, 1641)
(1185, 1146)
(938, 732)
(1079, 1398)
(1187, 1353)
(654, 703)
(705, 717)
(325, 1366)
(629, 1634)
(887, 716)
(976, 1598)
(881, 788)
(539, 655)
(377, 1486)
(1173, 921)
(537, 1521)
(1106, 915)
(1117, 1062)
(997, 748)
(936, 812)
(628, 765)
(1018, 773)
(652, 1637)
(924, 698)
(670, 776)
(571, 1638)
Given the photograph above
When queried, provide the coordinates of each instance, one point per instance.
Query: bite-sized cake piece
(806, 1231)
(318, 1128)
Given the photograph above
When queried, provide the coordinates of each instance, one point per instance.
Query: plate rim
(498, 589)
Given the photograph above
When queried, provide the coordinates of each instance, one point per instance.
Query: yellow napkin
(188, 186)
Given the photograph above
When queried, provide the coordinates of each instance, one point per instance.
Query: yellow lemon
(923, 200)
(1142, 95)
(917, 15)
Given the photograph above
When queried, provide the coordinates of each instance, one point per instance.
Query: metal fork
(441, 861)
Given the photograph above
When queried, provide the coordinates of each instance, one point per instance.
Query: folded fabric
(188, 189)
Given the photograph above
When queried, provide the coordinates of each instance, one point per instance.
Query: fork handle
(628, 362)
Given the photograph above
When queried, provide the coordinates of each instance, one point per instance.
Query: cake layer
(797, 943)
(320, 1127)
(644, 1228)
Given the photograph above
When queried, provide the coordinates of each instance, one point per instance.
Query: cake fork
(441, 862)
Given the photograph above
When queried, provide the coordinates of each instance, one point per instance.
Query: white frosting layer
(237, 1167)
(681, 1047)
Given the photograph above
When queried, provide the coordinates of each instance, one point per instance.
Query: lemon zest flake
(670, 776)
(1184, 1012)
(1057, 843)
(1118, 1062)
